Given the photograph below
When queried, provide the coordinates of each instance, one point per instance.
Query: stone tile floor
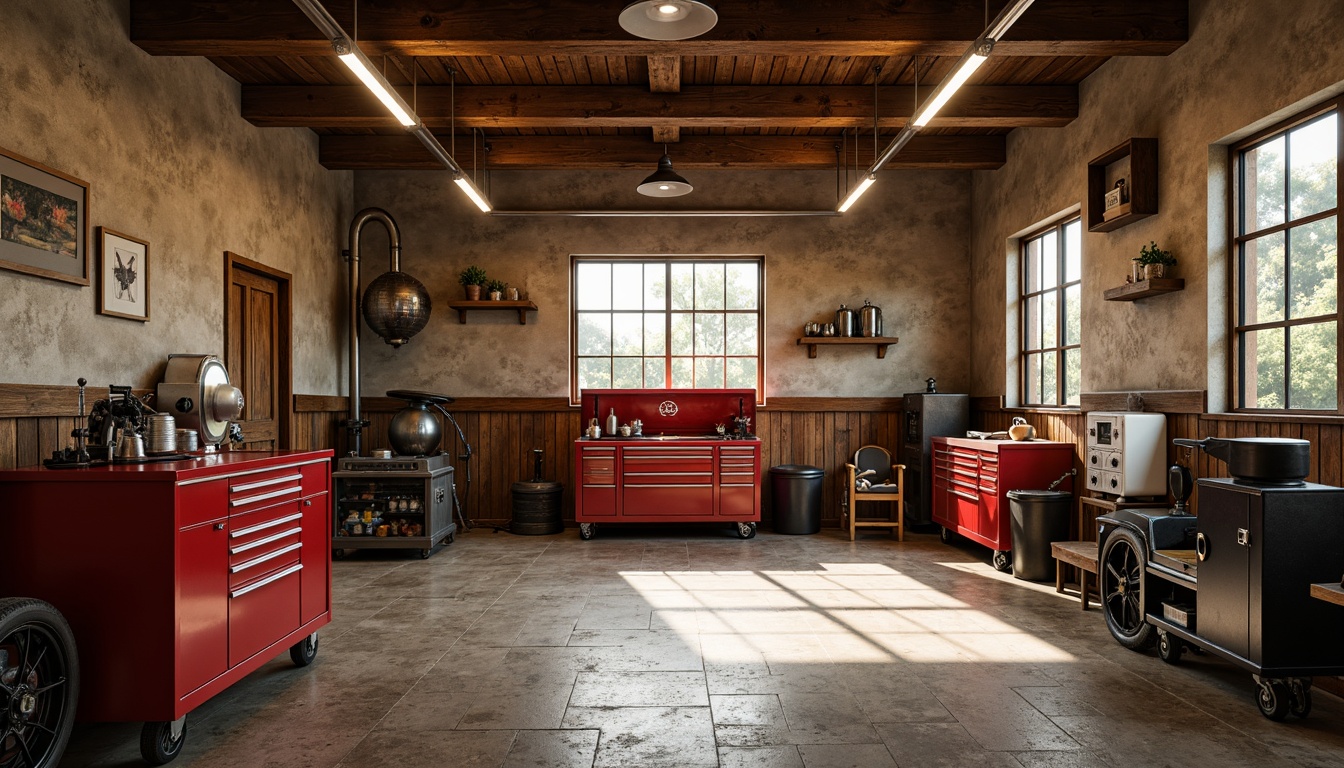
(688, 647)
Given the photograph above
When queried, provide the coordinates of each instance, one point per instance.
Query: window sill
(1285, 418)
(1046, 409)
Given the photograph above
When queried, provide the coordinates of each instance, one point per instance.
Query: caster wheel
(303, 652)
(452, 538)
(1299, 698)
(586, 531)
(425, 553)
(1002, 562)
(746, 530)
(1273, 699)
(1169, 648)
(39, 683)
(338, 554)
(946, 534)
(161, 741)
(1123, 560)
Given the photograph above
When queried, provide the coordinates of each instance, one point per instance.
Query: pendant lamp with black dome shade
(665, 182)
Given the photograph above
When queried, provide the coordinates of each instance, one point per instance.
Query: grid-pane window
(667, 323)
(1052, 273)
(1286, 332)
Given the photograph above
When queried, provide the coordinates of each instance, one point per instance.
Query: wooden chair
(885, 482)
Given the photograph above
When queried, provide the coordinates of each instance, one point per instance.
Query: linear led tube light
(358, 63)
(966, 66)
(1006, 18)
(475, 194)
(460, 177)
(857, 192)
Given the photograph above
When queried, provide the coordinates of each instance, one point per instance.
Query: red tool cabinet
(177, 578)
(972, 478)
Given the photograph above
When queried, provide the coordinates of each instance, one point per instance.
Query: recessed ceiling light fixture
(665, 182)
(350, 54)
(668, 19)
(971, 60)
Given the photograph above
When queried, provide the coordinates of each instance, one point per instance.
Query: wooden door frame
(284, 330)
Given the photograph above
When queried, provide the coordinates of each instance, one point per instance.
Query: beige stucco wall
(1247, 61)
(903, 246)
(169, 160)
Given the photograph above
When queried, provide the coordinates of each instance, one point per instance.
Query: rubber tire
(303, 652)
(1169, 648)
(1273, 700)
(1145, 635)
(156, 745)
(946, 534)
(751, 531)
(1299, 700)
(16, 612)
(1003, 561)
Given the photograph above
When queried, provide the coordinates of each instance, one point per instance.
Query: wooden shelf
(1145, 288)
(881, 342)
(523, 308)
(1141, 184)
(1331, 593)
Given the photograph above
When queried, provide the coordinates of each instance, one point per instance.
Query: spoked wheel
(1121, 580)
(1273, 699)
(39, 683)
(586, 531)
(161, 741)
(1002, 562)
(746, 530)
(303, 652)
(1169, 648)
(1299, 697)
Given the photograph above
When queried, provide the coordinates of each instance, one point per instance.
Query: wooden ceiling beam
(344, 152)
(585, 28)
(631, 106)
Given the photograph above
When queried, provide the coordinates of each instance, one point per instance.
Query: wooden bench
(1081, 555)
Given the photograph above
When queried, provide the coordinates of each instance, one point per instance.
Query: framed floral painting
(123, 275)
(44, 220)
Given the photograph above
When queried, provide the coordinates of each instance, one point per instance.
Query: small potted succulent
(496, 289)
(472, 278)
(1154, 261)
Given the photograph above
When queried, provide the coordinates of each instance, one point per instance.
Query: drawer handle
(274, 577)
(737, 474)
(682, 485)
(597, 458)
(738, 485)
(667, 474)
(263, 526)
(966, 496)
(258, 561)
(264, 483)
(265, 541)
(596, 485)
(264, 496)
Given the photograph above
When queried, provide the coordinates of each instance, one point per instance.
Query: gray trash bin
(1038, 518)
(797, 497)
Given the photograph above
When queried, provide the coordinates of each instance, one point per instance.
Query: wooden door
(257, 349)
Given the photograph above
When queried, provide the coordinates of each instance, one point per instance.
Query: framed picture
(44, 220)
(123, 275)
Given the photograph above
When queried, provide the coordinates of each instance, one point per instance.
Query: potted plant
(496, 289)
(1154, 261)
(472, 278)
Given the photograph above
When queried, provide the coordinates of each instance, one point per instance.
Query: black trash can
(797, 498)
(1038, 518)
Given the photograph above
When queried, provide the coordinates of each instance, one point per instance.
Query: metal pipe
(355, 424)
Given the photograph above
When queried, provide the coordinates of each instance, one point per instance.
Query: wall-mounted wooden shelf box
(881, 342)
(523, 307)
(1141, 183)
(1145, 288)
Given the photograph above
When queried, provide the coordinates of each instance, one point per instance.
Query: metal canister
(870, 319)
(844, 321)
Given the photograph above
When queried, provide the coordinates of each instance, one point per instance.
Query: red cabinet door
(315, 578)
(202, 605)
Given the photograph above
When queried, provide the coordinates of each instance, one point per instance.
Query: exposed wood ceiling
(558, 84)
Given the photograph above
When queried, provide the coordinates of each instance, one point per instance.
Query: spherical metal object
(414, 431)
(396, 306)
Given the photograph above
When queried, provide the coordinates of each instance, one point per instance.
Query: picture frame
(123, 275)
(44, 220)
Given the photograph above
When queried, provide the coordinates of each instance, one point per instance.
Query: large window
(1285, 203)
(667, 322)
(1052, 273)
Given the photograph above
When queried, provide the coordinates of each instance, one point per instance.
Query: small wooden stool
(1081, 555)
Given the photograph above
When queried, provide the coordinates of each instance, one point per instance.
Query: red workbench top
(202, 465)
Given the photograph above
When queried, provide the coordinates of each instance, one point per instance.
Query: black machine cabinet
(1265, 546)
(928, 415)
(399, 503)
